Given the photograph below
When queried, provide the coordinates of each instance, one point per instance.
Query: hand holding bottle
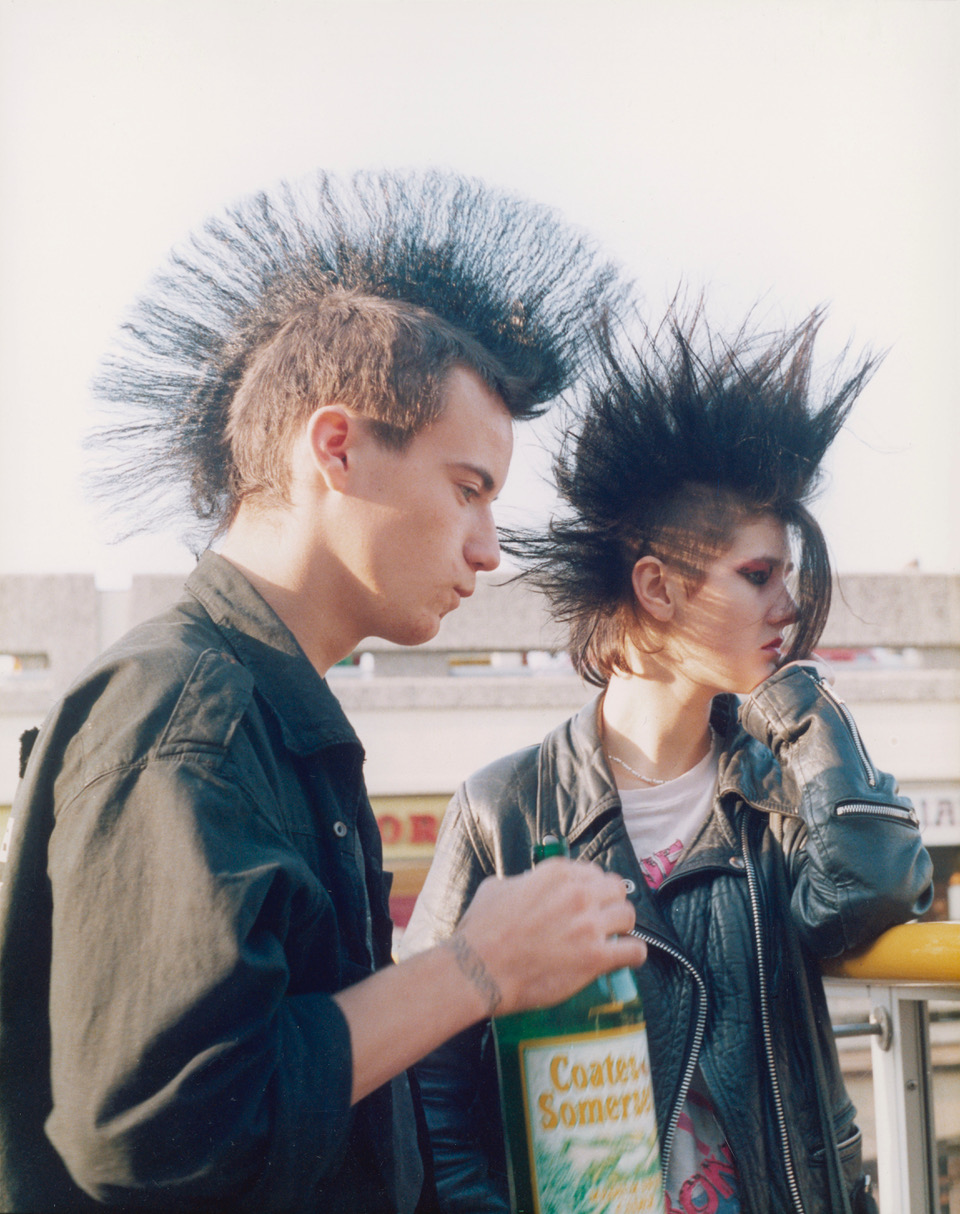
(575, 1085)
(535, 939)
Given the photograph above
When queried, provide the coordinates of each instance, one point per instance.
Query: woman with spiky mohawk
(367, 289)
(198, 1009)
(680, 443)
(755, 835)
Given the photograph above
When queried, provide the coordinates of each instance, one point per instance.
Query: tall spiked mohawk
(506, 273)
(682, 433)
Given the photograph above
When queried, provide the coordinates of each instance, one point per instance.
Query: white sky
(796, 152)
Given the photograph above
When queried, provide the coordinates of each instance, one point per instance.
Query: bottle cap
(550, 845)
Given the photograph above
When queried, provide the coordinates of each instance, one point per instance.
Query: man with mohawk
(197, 1005)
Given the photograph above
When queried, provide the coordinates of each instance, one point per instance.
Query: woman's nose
(785, 609)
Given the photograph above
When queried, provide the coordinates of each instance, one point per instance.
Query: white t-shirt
(661, 821)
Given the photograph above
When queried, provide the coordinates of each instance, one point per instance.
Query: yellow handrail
(912, 952)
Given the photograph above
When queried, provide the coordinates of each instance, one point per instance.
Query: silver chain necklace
(633, 771)
(652, 779)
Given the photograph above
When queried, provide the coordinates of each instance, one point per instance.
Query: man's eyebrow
(481, 473)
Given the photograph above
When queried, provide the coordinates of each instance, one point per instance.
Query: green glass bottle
(577, 1101)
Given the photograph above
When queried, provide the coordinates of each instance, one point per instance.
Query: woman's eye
(756, 577)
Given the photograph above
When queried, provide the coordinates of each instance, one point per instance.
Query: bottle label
(591, 1124)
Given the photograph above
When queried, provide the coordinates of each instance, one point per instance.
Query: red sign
(412, 828)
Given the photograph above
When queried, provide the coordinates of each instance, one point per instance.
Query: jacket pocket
(850, 1150)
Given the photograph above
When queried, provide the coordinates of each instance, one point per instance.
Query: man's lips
(459, 594)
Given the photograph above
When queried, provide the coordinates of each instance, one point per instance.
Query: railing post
(906, 1142)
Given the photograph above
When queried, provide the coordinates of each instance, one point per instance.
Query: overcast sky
(798, 153)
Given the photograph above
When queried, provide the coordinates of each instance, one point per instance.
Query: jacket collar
(309, 714)
(575, 773)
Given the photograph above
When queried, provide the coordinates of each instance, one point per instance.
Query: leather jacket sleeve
(851, 842)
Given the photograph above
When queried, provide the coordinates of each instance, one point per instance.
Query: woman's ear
(331, 433)
(655, 588)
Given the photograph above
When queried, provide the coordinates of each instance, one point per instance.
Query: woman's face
(727, 633)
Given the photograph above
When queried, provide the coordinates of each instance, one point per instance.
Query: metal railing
(902, 973)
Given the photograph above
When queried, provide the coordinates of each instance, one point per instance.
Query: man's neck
(293, 578)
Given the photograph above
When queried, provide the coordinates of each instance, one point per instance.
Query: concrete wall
(909, 609)
(425, 729)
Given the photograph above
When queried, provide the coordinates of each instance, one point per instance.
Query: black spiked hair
(510, 286)
(682, 435)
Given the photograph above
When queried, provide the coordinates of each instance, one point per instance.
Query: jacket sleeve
(458, 1081)
(182, 1063)
(854, 854)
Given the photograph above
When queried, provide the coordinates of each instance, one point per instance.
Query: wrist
(484, 987)
(772, 710)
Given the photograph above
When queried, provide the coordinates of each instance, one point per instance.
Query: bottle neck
(549, 845)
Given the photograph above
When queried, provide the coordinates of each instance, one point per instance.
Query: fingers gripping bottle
(577, 1101)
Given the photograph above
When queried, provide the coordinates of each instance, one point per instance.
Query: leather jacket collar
(578, 794)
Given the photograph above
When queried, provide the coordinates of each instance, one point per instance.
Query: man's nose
(482, 549)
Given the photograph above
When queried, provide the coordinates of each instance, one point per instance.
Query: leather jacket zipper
(899, 813)
(851, 725)
(765, 1022)
(667, 1145)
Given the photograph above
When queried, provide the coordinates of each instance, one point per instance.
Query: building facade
(496, 678)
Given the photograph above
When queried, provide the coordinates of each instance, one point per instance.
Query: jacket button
(340, 829)
(737, 862)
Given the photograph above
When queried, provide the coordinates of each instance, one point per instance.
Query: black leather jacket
(795, 786)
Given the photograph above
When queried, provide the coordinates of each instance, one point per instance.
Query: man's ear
(656, 588)
(331, 433)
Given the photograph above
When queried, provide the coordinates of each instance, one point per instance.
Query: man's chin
(417, 632)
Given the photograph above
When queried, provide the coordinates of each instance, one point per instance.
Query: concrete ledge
(546, 691)
(895, 609)
(66, 618)
(493, 691)
(859, 686)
